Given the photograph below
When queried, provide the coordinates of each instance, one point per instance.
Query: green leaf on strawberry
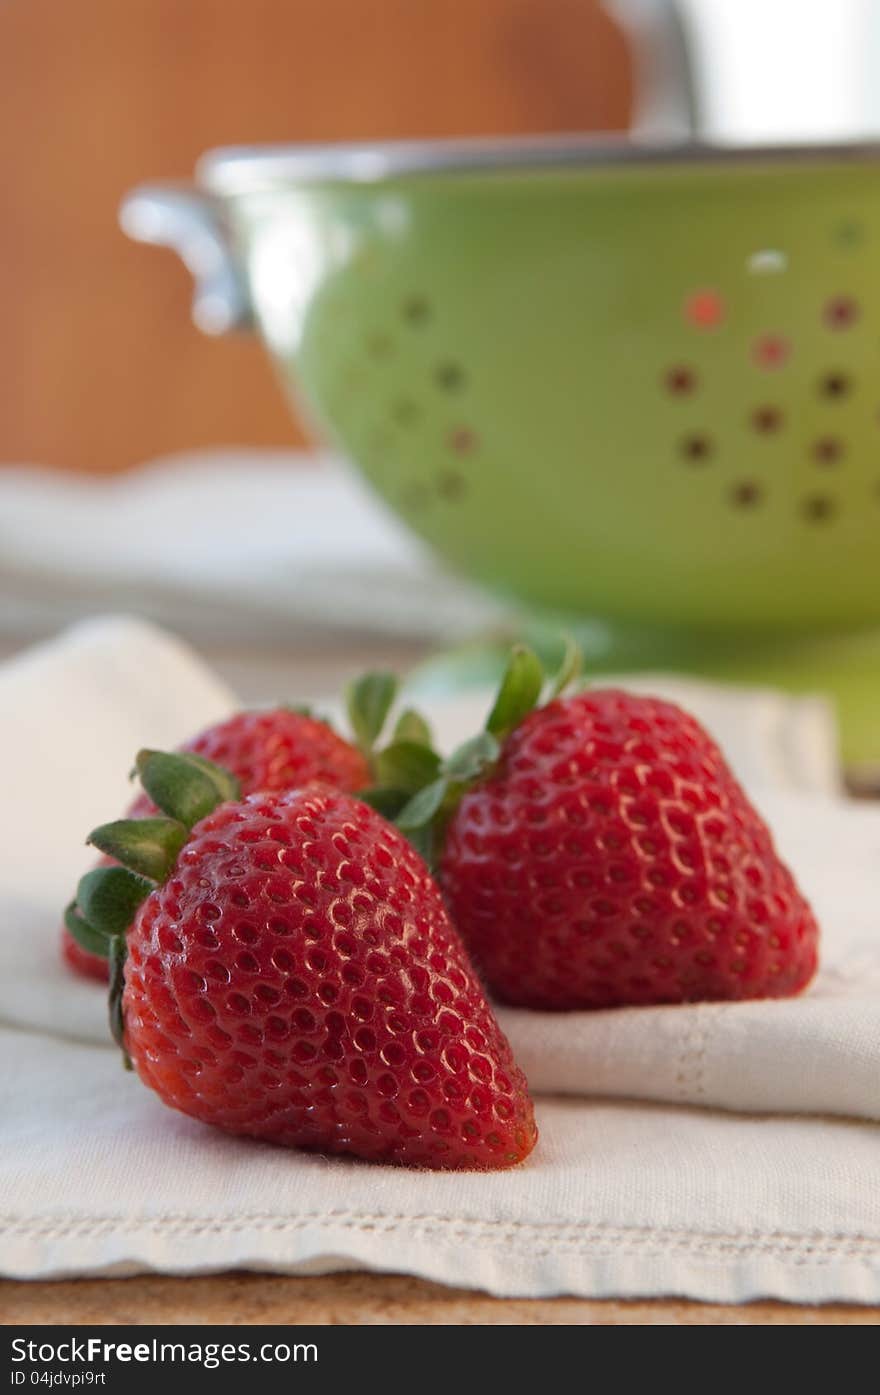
(424, 806)
(435, 786)
(109, 897)
(92, 940)
(473, 758)
(406, 765)
(118, 953)
(411, 726)
(184, 786)
(146, 846)
(385, 799)
(368, 701)
(519, 692)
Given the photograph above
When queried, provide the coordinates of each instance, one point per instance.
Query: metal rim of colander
(242, 169)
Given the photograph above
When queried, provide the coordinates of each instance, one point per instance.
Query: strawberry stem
(420, 792)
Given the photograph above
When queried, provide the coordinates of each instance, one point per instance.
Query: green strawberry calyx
(419, 790)
(409, 761)
(185, 788)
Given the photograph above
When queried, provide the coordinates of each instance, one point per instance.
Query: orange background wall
(99, 365)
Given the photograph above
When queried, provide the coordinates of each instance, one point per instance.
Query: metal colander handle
(195, 224)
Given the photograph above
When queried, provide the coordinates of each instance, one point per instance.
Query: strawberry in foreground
(275, 749)
(283, 967)
(598, 851)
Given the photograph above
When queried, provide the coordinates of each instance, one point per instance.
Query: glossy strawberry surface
(273, 749)
(297, 979)
(612, 858)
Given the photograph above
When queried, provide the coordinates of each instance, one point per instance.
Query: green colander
(639, 387)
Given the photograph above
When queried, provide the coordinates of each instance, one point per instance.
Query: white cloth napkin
(286, 542)
(619, 1198)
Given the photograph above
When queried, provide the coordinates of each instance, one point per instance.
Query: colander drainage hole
(462, 440)
(840, 312)
(818, 508)
(766, 420)
(704, 309)
(416, 310)
(746, 494)
(450, 376)
(697, 449)
(834, 385)
(771, 351)
(828, 450)
(680, 380)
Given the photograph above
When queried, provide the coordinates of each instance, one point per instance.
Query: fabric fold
(617, 1200)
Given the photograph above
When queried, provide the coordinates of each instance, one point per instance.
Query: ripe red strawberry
(275, 749)
(292, 975)
(606, 855)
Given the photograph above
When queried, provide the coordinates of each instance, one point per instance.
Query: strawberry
(283, 967)
(598, 851)
(273, 749)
